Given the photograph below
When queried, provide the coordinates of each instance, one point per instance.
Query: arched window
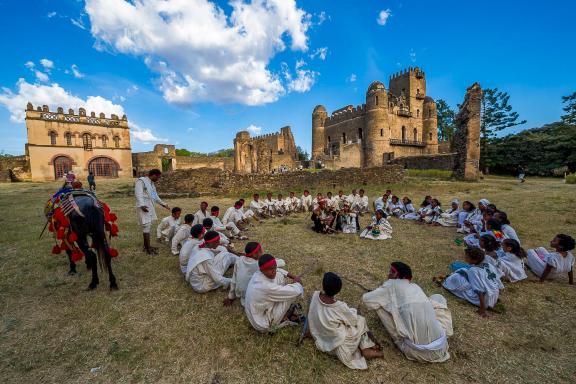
(62, 164)
(103, 167)
(360, 133)
(68, 137)
(417, 113)
(87, 141)
(403, 133)
(429, 112)
(328, 138)
(105, 141)
(430, 136)
(52, 138)
(117, 141)
(376, 100)
(415, 134)
(381, 132)
(344, 137)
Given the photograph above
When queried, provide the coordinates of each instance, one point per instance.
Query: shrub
(571, 178)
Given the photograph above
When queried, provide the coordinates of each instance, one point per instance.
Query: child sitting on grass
(550, 265)
(511, 264)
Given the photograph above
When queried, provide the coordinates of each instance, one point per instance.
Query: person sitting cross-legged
(339, 329)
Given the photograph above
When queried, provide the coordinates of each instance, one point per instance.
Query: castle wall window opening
(403, 133)
(68, 137)
(360, 133)
(104, 142)
(415, 134)
(382, 133)
(117, 141)
(344, 137)
(52, 138)
(87, 141)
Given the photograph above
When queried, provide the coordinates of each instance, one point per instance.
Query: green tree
(183, 152)
(496, 115)
(570, 109)
(302, 154)
(445, 116)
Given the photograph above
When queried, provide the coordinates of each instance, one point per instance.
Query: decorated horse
(73, 215)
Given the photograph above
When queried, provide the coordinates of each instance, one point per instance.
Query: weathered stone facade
(59, 142)
(467, 136)
(14, 168)
(205, 180)
(397, 122)
(164, 157)
(262, 154)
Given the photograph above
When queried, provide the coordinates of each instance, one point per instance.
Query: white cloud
(352, 78)
(29, 65)
(143, 135)
(51, 14)
(76, 72)
(200, 52)
(47, 64)
(383, 16)
(304, 80)
(412, 56)
(321, 18)
(78, 22)
(41, 76)
(54, 96)
(321, 53)
(254, 129)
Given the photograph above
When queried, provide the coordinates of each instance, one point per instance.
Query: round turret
(242, 135)
(376, 125)
(376, 86)
(319, 116)
(319, 109)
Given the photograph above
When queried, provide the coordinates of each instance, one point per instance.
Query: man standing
(91, 181)
(146, 196)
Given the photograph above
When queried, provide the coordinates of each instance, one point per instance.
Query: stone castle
(397, 122)
(262, 154)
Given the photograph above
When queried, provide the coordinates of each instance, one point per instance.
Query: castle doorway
(62, 165)
(103, 167)
(167, 164)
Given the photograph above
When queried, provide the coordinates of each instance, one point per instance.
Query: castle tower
(239, 155)
(430, 126)
(376, 124)
(319, 115)
(411, 83)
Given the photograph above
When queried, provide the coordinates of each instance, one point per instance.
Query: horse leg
(90, 260)
(72, 270)
(108, 259)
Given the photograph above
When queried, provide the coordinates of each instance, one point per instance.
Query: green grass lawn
(155, 329)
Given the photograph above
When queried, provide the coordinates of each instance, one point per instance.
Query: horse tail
(95, 222)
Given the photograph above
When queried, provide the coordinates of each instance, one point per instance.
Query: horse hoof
(72, 273)
(114, 287)
(92, 286)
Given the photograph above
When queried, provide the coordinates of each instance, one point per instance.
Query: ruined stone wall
(15, 168)
(195, 162)
(205, 180)
(467, 136)
(444, 146)
(444, 161)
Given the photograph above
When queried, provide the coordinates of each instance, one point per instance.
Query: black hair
(566, 242)
(494, 224)
(404, 270)
(425, 202)
(211, 235)
(176, 209)
(503, 218)
(331, 284)
(471, 204)
(437, 202)
(196, 230)
(361, 190)
(214, 208)
(475, 254)
(188, 218)
(408, 199)
(516, 248)
(264, 259)
(492, 207)
(251, 246)
(207, 222)
(154, 172)
(204, 202)
(490, 243)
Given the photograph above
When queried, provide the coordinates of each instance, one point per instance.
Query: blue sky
(195, 72)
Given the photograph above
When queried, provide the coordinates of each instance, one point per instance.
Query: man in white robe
(258, 207)
(270, 205)
(146, 197)
(195, 238)
(306, 201)
(201, 214)
(219, 226)
(361, 204)
(338, 329)
(182, 235)
(269, 299)
(208, 263)
(409, 316)
(168, 226)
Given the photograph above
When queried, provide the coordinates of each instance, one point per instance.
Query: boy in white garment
(269, 302)
(233, 230)
(208, 263)
(338, 329)
(201, 214)
(168, 226)
(182, 234)
(270, 205)
(294, 202)
(306, 201)
(208, 225)
(195, 238)
(258, 207)
(279, 206)
(361, 204)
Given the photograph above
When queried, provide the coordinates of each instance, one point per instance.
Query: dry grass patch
(155, 329)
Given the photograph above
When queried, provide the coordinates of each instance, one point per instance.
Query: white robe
(217, 225)
(510, 233)
(361, 204)
(257, 207)
(380, 203)
(199, 217)
(146, 196)
(466, 283)
(244, 269)
(448, 218)
(186, 251)
(396, 209)
(182, 235)
(511, 266)
(231, 216)
(382, 225)
(409, 317)
(348, 223)
(206, 268)
(167, 228)
(539, 258)
(268, 300)
(339, 329)
(306, 203)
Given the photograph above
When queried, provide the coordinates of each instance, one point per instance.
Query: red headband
(216, 213)
(217, 238)
(268, 264)
(258, 247)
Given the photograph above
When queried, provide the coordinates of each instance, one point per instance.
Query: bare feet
(371, 353)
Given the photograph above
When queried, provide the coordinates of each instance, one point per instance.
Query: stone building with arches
(396, 122)
(61, 141)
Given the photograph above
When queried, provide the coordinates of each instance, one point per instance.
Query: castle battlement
(346, 113)
(44, 113)
(416, 71)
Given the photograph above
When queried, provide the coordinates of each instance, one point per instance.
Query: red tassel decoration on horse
(76, 256)
(114, 230)
(60, 234)
(56, 250)
(50, 227)
(72, 237)
(113, 217)
(64, 222)
(113, 252)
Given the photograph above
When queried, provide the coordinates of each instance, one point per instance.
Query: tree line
(547, 150)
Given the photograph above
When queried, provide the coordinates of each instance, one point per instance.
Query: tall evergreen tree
(570, 109)
(445, 116)
(496, 115)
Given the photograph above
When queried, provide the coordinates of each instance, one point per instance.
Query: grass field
(155, 329)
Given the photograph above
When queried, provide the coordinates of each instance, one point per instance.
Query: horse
(91, 223)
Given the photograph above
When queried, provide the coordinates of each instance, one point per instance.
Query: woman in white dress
(551, 265)
(507, 230)
(395, 208)
(433, 212)
(449, 218)
(347, 221)
(469, 218)
(417, 215)
(379, 229)
(511, 264)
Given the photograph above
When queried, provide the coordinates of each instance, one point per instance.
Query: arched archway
(62, 165)
(103, 167)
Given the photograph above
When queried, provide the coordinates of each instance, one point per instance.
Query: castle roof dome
(376, 86)
(319, 108)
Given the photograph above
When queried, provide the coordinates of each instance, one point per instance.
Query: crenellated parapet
(346, 113)
(43, 113)
(417, 72)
